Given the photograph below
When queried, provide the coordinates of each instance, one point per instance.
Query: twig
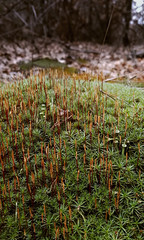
(45, 11)
(82, 50)
(114, 78)
(108, 26)
(117, 78)
(34, 11)
(132, 77)
(108, 94)
(22, 19)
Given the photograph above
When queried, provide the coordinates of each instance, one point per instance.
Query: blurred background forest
(112, 21)
(88, 35)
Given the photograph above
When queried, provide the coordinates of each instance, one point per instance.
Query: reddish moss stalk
(36, 167)
(32, 224)
(13, 162)
(91, 168)
(77, 161)
(65, 150)
(7, 150)
(3, 169)
(90, 129)
(125, 124)
(138, 154)
(95, 203)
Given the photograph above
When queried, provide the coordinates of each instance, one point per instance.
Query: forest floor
(85, 56)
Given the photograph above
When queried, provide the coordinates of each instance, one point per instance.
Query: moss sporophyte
(71, 159)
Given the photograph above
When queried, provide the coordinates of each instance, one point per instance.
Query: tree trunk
(127, 19)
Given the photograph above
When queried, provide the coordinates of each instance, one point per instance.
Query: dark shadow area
(81, 20)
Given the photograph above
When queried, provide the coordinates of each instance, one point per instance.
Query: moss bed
(71, 159)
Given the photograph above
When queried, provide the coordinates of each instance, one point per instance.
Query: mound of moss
(71, 159)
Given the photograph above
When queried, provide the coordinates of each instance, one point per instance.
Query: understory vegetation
(71, 159)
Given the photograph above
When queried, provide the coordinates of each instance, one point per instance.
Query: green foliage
(46, 63)
(71, 160)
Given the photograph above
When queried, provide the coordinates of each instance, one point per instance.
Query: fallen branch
(114, 78)
(117, 78)
(110, 96)
(82, 50)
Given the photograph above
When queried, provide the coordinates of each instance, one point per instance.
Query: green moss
(46, 63)
(71, 160)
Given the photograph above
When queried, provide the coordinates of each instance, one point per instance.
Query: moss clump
(46, 63)
(71, 158)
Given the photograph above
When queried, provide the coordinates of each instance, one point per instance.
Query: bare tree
(127, 18)
(70, 20)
